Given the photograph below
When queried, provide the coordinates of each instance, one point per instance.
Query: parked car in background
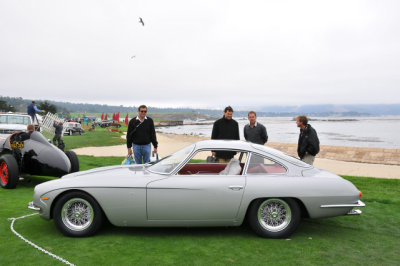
(107, 123)
(73, 127)
(33, 155)
(270, 189)
(13, 122)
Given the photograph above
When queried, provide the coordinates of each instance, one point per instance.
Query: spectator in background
(255, 132)
(308, 146)
(32, 110)
(141, 133)
(58, 132)
(27, 135)
(225, 128)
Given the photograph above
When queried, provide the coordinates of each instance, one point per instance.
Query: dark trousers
(57, 137)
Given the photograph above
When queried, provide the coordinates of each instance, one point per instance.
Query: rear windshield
(282, 155)
(15, 119)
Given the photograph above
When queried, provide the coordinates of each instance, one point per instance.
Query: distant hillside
(273, 110)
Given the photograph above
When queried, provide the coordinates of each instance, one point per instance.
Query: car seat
(232, 168)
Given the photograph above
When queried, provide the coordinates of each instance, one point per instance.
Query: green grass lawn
(99, 137)
(370, 239)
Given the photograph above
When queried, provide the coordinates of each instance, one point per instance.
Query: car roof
(225, 144)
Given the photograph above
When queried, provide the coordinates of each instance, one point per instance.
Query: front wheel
(9, 171)
(73, 158)
(274, 217)
(77, 214)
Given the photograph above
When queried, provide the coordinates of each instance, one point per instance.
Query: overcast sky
(201, 53)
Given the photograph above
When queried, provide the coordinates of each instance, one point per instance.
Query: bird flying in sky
(141, 21)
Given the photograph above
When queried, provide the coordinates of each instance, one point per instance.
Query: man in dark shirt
(308, 145)
(57, 133)
(141, 133)
(225, 128)
(255, 132)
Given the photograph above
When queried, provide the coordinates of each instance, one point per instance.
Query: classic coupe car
(21, 153)
(269, 188)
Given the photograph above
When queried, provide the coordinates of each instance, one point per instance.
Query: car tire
(76, 214)
(73, 158)
(9, 171)
(274, 217)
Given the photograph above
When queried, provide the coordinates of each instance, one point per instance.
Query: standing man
(225, 128)
(32, 110)
(255, 132)
(58, 131)
(308, 146)
(140, 134)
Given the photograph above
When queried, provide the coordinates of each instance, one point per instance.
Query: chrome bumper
(31, 206)
(353, 205)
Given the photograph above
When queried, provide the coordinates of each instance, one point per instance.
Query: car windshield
(168, 164)
(15, 119)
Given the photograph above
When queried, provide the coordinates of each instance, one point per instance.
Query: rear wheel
(74, 161)
(9, 171)
(275, 217)
(77, 214)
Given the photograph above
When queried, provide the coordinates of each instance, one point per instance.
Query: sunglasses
(143, 111)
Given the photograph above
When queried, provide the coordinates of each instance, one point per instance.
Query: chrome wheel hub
(77, 214)
(274, 215)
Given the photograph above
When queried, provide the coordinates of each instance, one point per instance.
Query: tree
(48, 107)
(5, 107)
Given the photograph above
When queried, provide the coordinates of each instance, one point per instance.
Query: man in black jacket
(308, 146)
(141, 133)
(225, 128)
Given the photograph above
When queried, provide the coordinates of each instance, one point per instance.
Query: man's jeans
(142, 152)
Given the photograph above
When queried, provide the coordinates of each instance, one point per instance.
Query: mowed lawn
(370, 239)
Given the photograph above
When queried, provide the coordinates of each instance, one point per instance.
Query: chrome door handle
(236, 188)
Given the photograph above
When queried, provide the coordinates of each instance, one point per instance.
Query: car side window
(200, 165)
(262, 165)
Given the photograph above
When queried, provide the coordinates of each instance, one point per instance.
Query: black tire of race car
(12, 169)
(74, 161)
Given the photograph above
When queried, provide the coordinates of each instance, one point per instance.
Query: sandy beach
(349, 165)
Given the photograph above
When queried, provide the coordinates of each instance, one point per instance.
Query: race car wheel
(274, 217)
(74, 161)
(77, 214)
(9, 171)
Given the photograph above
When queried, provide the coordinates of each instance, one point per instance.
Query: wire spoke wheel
(77, 214)
(274, 215)
(4, 173)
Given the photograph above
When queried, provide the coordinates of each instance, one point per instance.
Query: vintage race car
(21, 153)
(269, 188)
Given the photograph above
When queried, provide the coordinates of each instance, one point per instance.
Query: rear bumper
(359, 204)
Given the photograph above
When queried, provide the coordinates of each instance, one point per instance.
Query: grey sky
(201, 53)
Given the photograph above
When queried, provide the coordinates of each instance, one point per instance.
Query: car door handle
(236, 187)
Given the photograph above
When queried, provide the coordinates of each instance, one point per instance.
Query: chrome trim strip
(358, 204)
(31, 206)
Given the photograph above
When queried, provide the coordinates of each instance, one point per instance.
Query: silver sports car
(270, 189)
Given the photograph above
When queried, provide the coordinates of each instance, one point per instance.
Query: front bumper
(32, 206)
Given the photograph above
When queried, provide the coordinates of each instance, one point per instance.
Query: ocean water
(372, 132)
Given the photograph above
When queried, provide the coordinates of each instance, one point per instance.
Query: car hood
(139, 169)
(121, 176)
(16, 127)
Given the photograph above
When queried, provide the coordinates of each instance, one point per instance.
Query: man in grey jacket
(255, 132)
